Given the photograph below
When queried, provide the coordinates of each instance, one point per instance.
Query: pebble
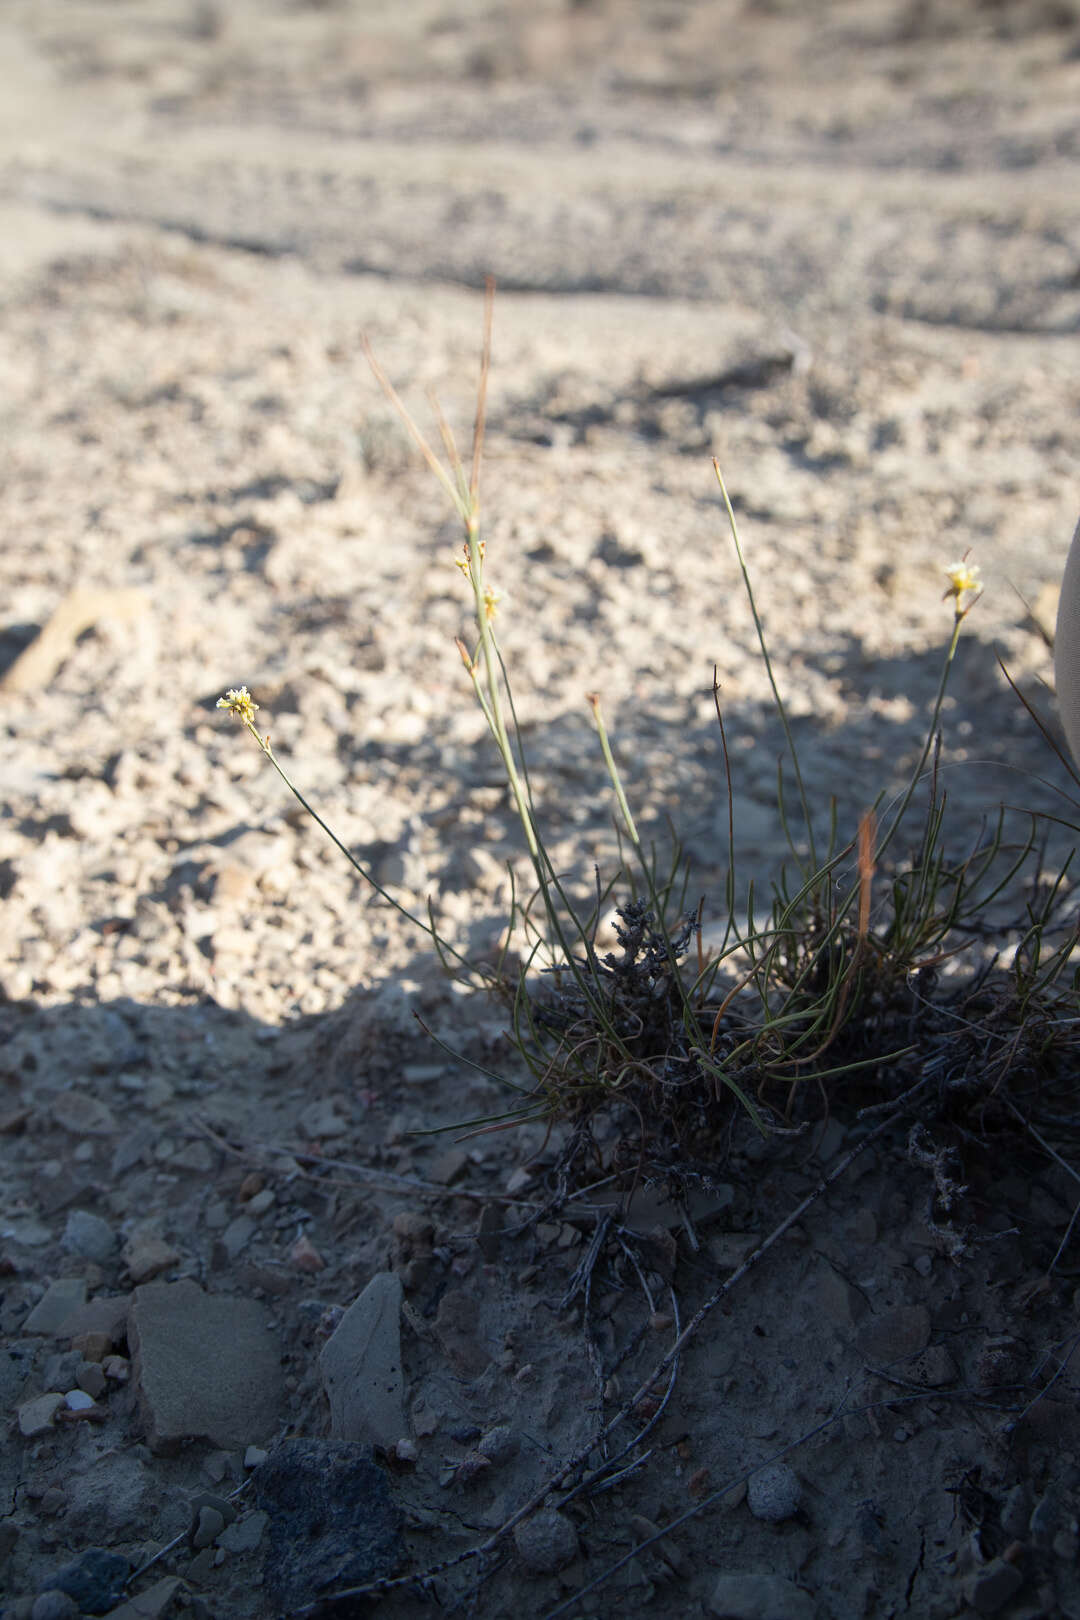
(246, 1534)
(304, 1256)
(82, 1114)
(152, 1602)
(1016, 1511)
(991, 1587)
(208, 1527)
(774, 1493)
(91, 1378)
(89, 1236)
(547, 1542)
(54, 1606)
(37, 1416)
(146, 1256)
(934, 1367)
(77, 1400)
(320, 1121)
(254, 1457)
(498, 1444)
(759, 1597)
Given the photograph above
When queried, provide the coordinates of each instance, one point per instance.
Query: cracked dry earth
(263, 1336)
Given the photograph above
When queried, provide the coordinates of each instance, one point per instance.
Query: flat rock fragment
(361, 1367)
(206, 1367)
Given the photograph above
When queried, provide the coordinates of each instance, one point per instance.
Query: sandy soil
(838, 248)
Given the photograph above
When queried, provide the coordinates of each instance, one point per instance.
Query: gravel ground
(838, 248)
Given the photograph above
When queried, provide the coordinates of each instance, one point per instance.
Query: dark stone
(333, 1521)
(95, 1580)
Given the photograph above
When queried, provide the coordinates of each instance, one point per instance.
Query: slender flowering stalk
(239, 702)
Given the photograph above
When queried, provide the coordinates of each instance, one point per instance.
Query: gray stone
(498, 1444)
(774, 1493)
(208, 1527)
(991, 1587)
(54, 1606)
(361, 1367)
(547, 1542)
(333, 1521)
(895, 1335)
(150, 1604)
(205, 1367)
(82, 1114)
(238, 1234)
(94, 1579)
(1016, 1511)
(89, 1236)
(759, 1597)
(321, 1121)
(37, 1416)
(246, 1534)
(52, 1310)
(106, 1313)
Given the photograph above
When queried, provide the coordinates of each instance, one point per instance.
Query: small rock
(37, 1416)
(991, 1587)
(895, 1335)
(151, 1604)
(77, 1400)
(498, 1444)
(91, 1379)
(1016, 1511)
(262, 1202)
(208, 1527)
(254, 1457)
(146, 1256)
(83, 1115)
(774, 1493)
(934, 1367)
(94, 1579)
(304, 1256)
(52, 1310)
(547, 1542)
(107, 1314)
(89, 1236)
(196, 1157)
(92, 1347)
(759, 1597)
(320, 1121)
(361, 1367)
(54, 1606)
(246, 1534)
(1000, 1362)
(333, 1521)
(238, 1234)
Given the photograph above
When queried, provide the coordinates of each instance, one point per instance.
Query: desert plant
(829, 985)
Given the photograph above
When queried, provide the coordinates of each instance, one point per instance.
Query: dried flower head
(240, 702)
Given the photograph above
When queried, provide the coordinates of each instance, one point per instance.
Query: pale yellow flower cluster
(963, 580)
(240, 702)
